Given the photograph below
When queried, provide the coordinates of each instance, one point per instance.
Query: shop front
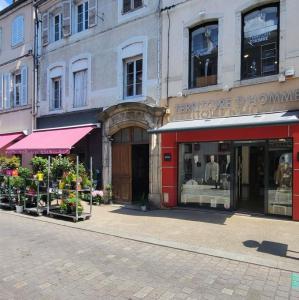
(238, 153)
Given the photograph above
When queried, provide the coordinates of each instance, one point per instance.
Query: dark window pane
(138, 3)
(86, 15)
(126, 5)
(204, 56)
(139, 65)
(130, 90)
(260, 43)
(80, 17)
(139, 89)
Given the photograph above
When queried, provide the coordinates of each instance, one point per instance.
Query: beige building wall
(12, 59)
(104, 46)
(223, 99)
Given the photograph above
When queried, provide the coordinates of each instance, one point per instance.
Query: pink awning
(6, 139)
(52, 141)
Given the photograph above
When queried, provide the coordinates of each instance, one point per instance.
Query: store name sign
(237, 105)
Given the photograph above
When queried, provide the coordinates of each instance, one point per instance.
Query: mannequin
(212, 171)
(283, 176)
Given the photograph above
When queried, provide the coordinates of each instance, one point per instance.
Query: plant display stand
(68, 199)
(34, 199)
(8, 198)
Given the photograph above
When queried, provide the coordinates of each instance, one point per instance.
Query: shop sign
(239, 105)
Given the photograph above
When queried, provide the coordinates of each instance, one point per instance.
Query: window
(56, 93)
(129, 5)
(260, 43)
(80, 88)
(17, 89)
(17, 34)
(57, 27)
(82, 16)
(203, 55)
(133, 77)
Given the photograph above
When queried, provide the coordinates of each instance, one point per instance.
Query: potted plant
(143, 202)
(3, 164)
(97, 196)
(19, 203)
(12, 164)
(61, 166)
(39, 167)
(108, 193)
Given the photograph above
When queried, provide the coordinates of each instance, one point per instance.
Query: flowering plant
(97, 196)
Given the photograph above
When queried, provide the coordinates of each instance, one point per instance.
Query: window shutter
(45, 29)
(66, 21)
(0, 39)
(24, 82)
(7, 91)
(92, 13)
(1, 92)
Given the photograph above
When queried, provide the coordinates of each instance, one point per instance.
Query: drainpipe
(159, 50)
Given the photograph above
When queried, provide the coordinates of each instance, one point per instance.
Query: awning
(50, 141)
(240, 121)
(8, 138)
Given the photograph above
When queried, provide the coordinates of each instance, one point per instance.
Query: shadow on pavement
(273, 248)
(187, 215)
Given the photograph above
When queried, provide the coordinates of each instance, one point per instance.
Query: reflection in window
(260, 42)
(203, 55)
(205, 174)
(280, 178)
(133, 77)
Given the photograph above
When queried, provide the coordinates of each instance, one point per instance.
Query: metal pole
(77, 180)
(91, 182)
(48, 186)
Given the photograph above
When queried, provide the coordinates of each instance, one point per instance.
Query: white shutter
(24, 85)
(17, 33)
(66, 18)
(45, 29)
(1, 38)
(1, 92)
(92, 13)
(7, 91)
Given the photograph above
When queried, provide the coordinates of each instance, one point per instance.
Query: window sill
(134, 99)
(253, 81)
(17, 45)
(132, 10)
(15, 109)
(206, 89)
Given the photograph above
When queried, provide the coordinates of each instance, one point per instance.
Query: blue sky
(4, 3)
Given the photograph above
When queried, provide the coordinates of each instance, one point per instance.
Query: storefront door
(250, 176)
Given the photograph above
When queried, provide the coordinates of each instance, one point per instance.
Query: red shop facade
(246, 163)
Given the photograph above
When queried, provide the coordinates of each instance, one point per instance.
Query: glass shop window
(280, 186)
(260, 43)
(203, 55)
(205, 174)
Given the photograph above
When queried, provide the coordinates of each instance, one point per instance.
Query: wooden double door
(130, 171)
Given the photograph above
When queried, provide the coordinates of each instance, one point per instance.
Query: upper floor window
(133, 77)
(17, 88)
(80, 88)
(82, 16)
(129, 5)
(203, 55)
(17, 33)
(260, 42)
(56, 93)
(57, 24)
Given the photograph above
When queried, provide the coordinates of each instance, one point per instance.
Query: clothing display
(284, 175)
(212, 172)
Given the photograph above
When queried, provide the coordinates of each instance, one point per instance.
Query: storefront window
(203, 55)
(260, 42)
(205, 174)
(280, 177)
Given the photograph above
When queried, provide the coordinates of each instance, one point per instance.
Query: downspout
(159, 51)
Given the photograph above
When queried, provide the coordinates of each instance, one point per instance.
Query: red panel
(169, 177)
(174, 160)
(294, 131)
(296, 208)
(168, 139)
(266, 132)
(295, 153)
(296, 182)
(172, 196)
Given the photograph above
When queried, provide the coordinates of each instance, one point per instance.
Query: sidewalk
(264, 241)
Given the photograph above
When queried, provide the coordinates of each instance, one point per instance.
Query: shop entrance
(250, 164)
(130, 164)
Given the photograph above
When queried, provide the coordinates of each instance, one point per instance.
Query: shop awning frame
(52, 140)
(265, 119)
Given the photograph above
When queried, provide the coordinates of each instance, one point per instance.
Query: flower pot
(15, 172)
(19, 209)
(8, 172)
(40, 176)
(143, 208)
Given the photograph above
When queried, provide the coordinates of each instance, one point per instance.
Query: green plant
(3, 162)
(25, 173)
(61, 165)
(39, 164)
(17, 182)
(13, 162)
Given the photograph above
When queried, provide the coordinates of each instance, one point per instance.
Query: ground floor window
(253, 176)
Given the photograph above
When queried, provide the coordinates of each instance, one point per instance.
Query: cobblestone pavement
(48, 261)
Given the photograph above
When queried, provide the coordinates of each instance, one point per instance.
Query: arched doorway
(130, 164)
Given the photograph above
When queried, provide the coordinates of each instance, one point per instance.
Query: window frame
(17, 86)
(86, 88)
(133, 59)
(53, 94)
(277, 4)
(191, 30)
(14, 41)
(59, 27)
(132, 8)
(85, 19)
